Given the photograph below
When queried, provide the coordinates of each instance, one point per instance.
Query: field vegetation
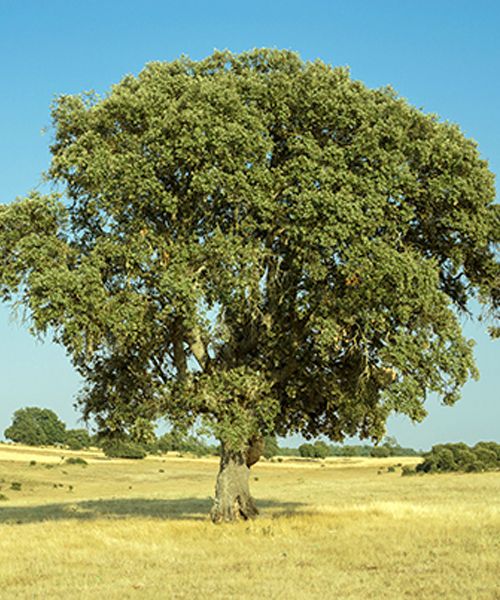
(340, 527)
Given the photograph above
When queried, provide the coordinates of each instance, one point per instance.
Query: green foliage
(257, 241)
(177, 441)
(120, 448)
(271, 447)
(173, 441)
(380, 452)
(16, 486)
(76, 460)
(352, 450)
(306, 450)
(484, 456)
(321, 449)
(286, 451)
(317, 450)
(77, 439)
(408, 471)
(36, 427)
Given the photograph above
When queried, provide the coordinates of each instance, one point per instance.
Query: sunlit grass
(139, 529)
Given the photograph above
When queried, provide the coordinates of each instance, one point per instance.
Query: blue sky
(442, 55)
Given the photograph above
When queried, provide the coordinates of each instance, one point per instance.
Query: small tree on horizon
(77, 439)
(36, 427)
(259, 242)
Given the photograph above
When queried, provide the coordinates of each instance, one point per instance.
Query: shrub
(16, 486)
(380, 452)
(271, 447)
(176, 441)
(285, 451)
(317, 450)
(76, 460)
(118, 448)
(353, 450)
(463, 457)
(407, 471)
(3, 497)
(306, 450)
(77, 439)
(487, 457)
(321, 449)
(492, 446)
(484, 456)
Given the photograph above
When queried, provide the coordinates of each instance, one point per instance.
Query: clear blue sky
(443, 55)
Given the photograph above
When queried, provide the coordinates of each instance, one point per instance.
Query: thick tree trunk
(232, 493)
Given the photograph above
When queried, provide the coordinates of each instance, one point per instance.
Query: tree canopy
(258, 241)
(36, 427)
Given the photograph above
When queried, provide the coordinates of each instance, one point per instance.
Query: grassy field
(342, 528)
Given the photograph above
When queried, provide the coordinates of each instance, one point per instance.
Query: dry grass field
(343, 529)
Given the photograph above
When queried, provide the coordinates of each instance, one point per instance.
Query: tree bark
(232, 493)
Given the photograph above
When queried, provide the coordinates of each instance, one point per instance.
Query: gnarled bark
(232, 493)
(254, 450)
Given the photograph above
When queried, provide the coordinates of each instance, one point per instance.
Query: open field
(344, 528)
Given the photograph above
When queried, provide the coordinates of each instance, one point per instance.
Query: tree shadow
(192, 509)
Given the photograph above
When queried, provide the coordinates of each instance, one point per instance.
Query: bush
(306, 450)
(119, 448)
(353, 450)
(317, 450)
(77, 439)
(75, 460)
(285, 451)
(271, 447)
(380, 452)
(321, 449)
(36, 427)
(16, 486)
(484, 456)
(176, 441)
(407, 471)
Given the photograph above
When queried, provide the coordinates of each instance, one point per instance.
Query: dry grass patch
(128, 530)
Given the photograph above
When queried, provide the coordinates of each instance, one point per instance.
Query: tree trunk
(232, 494)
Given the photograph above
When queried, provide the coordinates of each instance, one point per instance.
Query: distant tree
(355, 450)
(287, 451)
(380, 451)
(172, 441)
(178, 441)
(306, 450)
(319, 449)
(122, 448)
(259, 242)
(484, 456)
(77, 439)
(36, 427)
(271, 447)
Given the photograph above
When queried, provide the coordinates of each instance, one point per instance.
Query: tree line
(35, 426)
(446, 458)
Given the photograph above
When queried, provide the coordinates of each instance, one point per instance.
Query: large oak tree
(258, 242)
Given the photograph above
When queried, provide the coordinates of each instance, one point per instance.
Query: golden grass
(139, 529)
